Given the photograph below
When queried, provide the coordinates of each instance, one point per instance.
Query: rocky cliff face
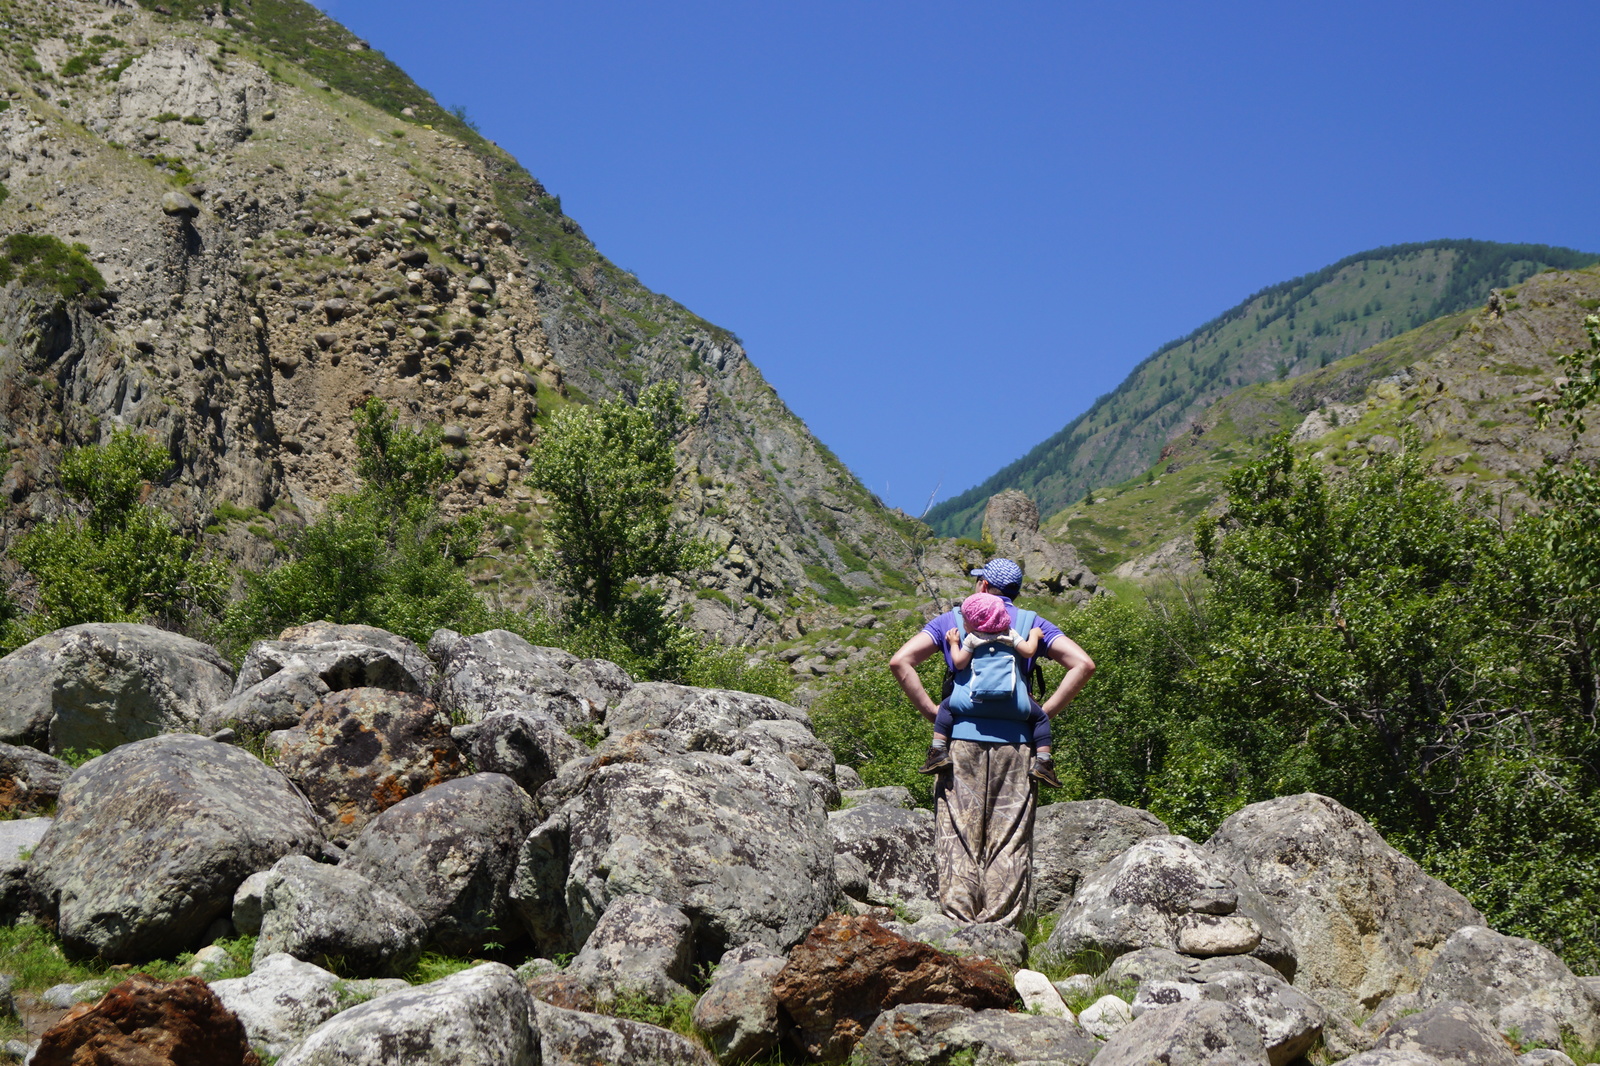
(287, 226)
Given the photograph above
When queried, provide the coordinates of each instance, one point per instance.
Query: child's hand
(952, 637)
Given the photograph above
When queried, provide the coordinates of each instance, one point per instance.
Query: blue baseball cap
(1000, 574)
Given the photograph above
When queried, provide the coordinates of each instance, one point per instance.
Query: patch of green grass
(38, 259)
(231, 512)
(435, 967)
(677, 1014)
(167, 116)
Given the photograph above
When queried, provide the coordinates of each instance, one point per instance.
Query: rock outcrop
(1365, 919)
(151, 840)
(142, 1020)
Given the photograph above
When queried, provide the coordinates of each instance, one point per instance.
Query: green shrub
(38, 259)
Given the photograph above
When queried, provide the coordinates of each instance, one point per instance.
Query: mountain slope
(1465, 384)
(1281, 331)
(330, 233)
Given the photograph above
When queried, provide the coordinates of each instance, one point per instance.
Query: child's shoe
(1044, 770)
(938, 759)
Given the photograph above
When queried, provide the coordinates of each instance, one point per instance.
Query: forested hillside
(1280, 332)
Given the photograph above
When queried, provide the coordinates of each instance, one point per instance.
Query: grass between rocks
(35, 959)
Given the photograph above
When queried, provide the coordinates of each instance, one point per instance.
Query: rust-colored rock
(363, 750)
(145, 1022)
(849, 969)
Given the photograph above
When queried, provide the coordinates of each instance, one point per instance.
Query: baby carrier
(994, 684)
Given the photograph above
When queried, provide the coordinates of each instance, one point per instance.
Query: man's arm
(1080, 668)
(904, 664)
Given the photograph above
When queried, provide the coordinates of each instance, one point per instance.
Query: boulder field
(353, 801)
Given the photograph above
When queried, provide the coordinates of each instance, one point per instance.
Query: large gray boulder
(328, 914)
(362, 750)
(530, 747)
(1452, 1033)
(695, 714)
(1167, 892)
(896, 847)
(499, 671)
(1187, 1034)
(1516, 983)
(1073, 840)
(919, 1033)
(27, 689)
(1289, 1021)
(641, 946)
(277, 702)
(151, 840)
(342, 656)
(283, 999)
(1365, 919)
(742, 849)
(738, 1013)
(115, 683)
(477, 1017)
(450, 853)
(29, 778)
(577, 1038)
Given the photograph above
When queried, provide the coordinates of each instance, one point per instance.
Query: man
(984, 804)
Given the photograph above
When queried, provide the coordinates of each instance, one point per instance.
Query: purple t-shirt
(947, 621)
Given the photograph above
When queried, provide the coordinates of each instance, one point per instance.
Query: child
(989, 623)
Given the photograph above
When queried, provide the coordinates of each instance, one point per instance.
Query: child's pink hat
(984, 613)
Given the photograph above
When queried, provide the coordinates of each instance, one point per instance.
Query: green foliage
(38, 259)
(867, 721)
(75, 758)
(607, 471)
(432, 966)
(118, 559)
(677, 1014)
(382, 556)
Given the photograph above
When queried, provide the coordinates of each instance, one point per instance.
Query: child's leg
(1040, 723)
(939, 750)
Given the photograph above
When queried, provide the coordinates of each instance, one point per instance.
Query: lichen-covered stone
(1365, 919)
(641, 946)
(363, 750)
(477, 1017)
(895, 845)
(743, 850)
(451, 853)
(1160, 893)
(1453, 1033)
(498, 671)
(116, 682)
(919, 1033)
(738, 1013)
(276, 702)
(1512, 981)
(529, 747)
(327, 914)
(151, 840)
(1072, 840)
(1191, 1033)
(29, 779)
(577, 1038)
(343, 656)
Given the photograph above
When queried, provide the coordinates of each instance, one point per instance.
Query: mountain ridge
(1124, 430)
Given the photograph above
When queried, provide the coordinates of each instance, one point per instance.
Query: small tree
(381, 556)
(607, 472)
(118, 559)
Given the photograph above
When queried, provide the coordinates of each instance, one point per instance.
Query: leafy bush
(38, 259)
(383, 556)
(118, 559)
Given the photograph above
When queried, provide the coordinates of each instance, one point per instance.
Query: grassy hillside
(1279, 333)
(1465, 383)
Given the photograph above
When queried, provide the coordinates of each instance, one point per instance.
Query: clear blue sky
(901, 207)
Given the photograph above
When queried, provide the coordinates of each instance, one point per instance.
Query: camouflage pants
(983, 832)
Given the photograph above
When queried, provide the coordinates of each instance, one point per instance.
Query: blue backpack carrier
(994, 685)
